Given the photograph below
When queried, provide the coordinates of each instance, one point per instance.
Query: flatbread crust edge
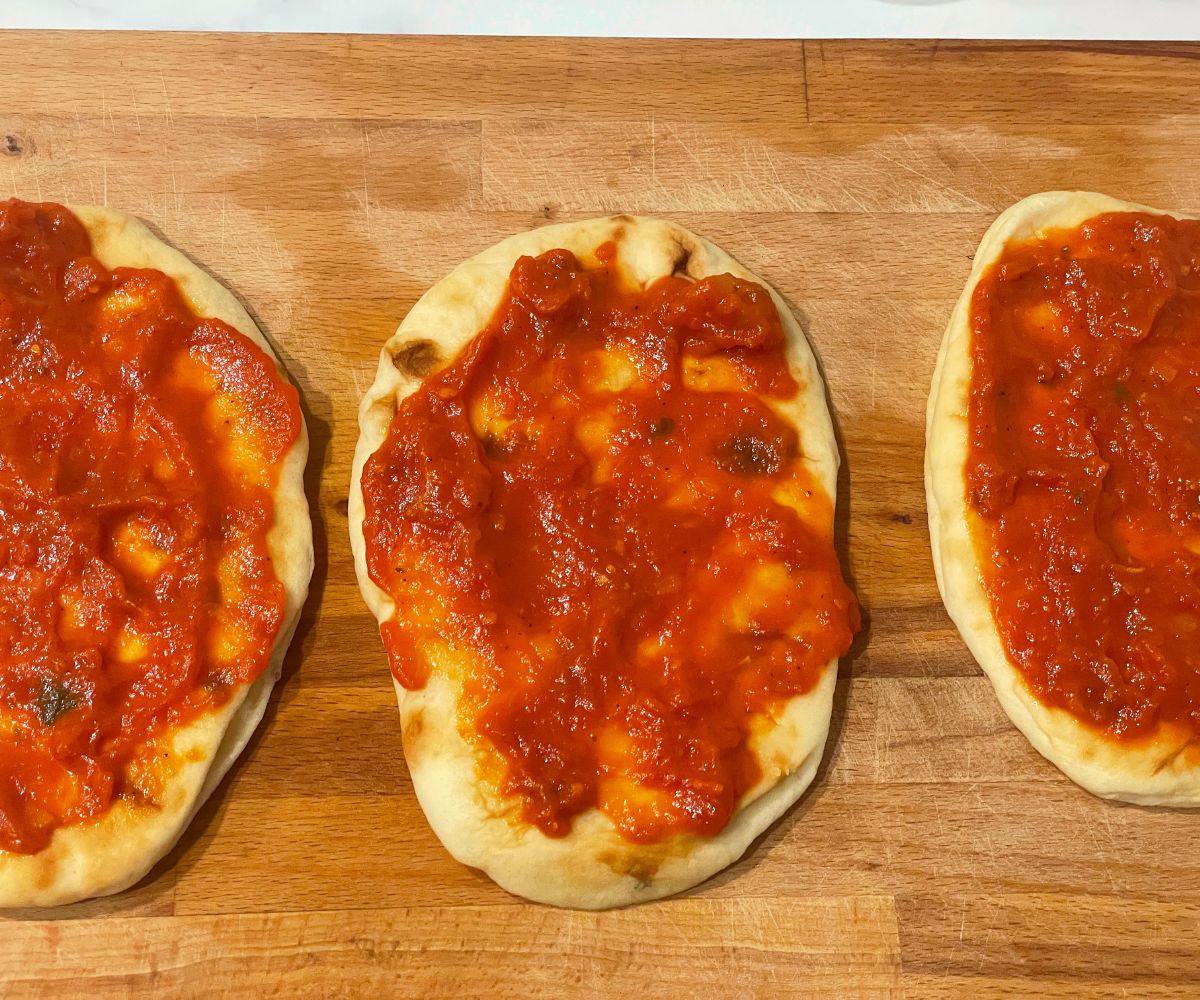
(593, 867)
(111, 854)
(1164, 768)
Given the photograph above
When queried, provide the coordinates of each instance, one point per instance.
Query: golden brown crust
(593, 867)
(1163, 769)
(118, 849)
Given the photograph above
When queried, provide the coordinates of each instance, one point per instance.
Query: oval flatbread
(586, 861)
(170, 605)
(1159, 763)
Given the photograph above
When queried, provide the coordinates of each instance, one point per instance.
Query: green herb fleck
(55, 699)
(1122, 393)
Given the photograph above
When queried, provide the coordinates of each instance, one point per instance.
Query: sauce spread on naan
(139, 449)
(597, 507)
(1084, 467)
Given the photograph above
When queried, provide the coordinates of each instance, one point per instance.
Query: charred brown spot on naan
(47, 871)
(683, 258)
(619, 223)
(413, 736)
(101, 229)
(641, 862)
(417, 358)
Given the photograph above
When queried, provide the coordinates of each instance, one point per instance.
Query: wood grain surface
(329, 181)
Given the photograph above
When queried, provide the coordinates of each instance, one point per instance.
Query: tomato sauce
(598, 500)
(1084, 467)
(139, 450)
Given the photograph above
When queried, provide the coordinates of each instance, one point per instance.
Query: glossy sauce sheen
(139, 448)
(1084, 467)
(607, 539)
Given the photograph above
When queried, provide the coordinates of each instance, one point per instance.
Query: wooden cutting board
(329, 181)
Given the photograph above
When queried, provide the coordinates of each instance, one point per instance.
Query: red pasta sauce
(606, 539)
(136, 585)
(1083, 475)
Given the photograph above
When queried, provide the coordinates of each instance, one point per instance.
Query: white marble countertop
(1060, 19)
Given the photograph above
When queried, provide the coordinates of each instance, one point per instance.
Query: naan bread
(1162, 769)
(118, 849)
(593, 867)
